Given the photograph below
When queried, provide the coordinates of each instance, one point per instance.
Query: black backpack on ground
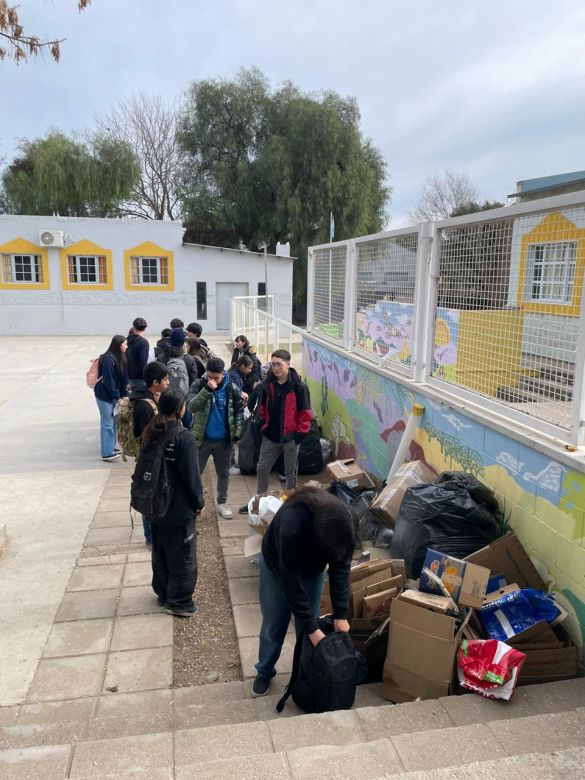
(150, 491)
(324, 677)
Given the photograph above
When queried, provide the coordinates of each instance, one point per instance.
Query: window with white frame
(550, 273)
(87, 269)
(18, 269)
(149, 270)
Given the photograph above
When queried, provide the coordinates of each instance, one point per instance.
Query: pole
(266, 296)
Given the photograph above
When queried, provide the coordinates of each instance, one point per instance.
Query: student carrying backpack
(324, 676)
(182, 367)
(178, 375)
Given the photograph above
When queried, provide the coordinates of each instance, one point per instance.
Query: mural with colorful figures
(363, 414)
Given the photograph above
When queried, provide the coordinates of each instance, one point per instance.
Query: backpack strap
(294, 674)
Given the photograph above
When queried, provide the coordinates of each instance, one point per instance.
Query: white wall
(67, 312)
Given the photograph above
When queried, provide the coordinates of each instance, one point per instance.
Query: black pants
(174, 563)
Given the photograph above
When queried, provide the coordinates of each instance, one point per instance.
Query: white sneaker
(225, 511)
(234, 471)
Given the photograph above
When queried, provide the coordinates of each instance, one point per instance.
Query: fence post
(423, 302)
(349, 313)
(433, 286)
(310, 289)
(578, 403)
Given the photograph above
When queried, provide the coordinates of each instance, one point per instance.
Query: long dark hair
(115, 352)
(332, 519)
(245, 340)
(165, 423)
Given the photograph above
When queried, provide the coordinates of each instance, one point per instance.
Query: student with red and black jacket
(284, 416)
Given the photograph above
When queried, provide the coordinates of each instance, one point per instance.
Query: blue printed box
(465, 582)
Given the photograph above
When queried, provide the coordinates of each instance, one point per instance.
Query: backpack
(178, 375)
(129, 444)
(92, 377)
(324, 677)
(150, 491)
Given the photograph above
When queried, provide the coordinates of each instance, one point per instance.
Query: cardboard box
(387, 503)
(466, 582)
(349, 472)
(253, 548)
(367, 578)
(422, 646)
(440, 604)
(377, 605)
(507, 556)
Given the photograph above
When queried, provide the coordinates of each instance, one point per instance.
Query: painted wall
(364, 414)
(52, 309)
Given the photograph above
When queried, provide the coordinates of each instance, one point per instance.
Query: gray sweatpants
(221, 451)
(269, 452)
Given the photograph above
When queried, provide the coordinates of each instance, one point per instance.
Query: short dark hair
(281, 354)
(165, 333)
(139, 324)
(177, 323)
(245, 360)
(154, 372)
(215, 364)
(195, 328)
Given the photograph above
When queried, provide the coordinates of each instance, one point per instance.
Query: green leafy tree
(59, 175)
(266, 166)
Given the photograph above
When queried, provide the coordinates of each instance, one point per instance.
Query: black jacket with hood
(161, 346)
(136, 355)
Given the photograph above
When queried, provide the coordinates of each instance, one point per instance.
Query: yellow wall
(22, 247)
(148, 249)
(86, 248)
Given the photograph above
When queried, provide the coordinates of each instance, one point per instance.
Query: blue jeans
(107, 427)
(147, 529)
(276, 613)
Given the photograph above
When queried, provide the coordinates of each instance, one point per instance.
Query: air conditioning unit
(51, 237)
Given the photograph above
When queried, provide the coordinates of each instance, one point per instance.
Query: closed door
(224, 292)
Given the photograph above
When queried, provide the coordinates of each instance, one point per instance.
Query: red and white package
(489, 667)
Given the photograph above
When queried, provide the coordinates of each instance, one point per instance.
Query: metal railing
(488, 307)
(267, 332)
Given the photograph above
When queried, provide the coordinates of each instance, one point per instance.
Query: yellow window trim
(20, 246)
(554, 228)
(86, 248)
(148, 249)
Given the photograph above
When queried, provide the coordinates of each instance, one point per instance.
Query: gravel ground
(205, 646)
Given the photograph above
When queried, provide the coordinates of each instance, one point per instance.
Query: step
(515, 396)
(545, 389)
(223, 705)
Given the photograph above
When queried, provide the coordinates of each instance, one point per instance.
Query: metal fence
(267, 332)
(486, 306)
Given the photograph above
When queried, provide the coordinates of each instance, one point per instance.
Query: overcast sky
(493, 89)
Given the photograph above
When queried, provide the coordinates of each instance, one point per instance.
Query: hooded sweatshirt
(136, 355)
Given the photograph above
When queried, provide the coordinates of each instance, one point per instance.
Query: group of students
(312, 531)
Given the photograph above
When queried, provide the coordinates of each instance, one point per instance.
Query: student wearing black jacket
(112, 385)
(174, 536)
(312, 530)
(138, 348)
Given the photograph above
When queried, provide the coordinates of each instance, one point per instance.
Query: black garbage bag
(310, 452)
(456, 515)
(249, 447)
(357, 499)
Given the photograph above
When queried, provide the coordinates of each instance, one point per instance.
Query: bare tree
(441, 195)
(149, 125)
(21, 46)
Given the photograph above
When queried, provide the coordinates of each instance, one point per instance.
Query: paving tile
(215, 692)
(266, 706)
(140, 556)
(67, 678)
(471, 708)
(238, 566)
(143, 722)
(121, 490)
(127, 705)
(553, 697)
(79, 637)
(107, 536)
(369, 696)
(30, 735)
(137, 631)
(220, 742)
(446, 747)
(96, 577)
(140, 670)
(116, 478)
(244, 590)
(124, 755)
(138, 573)
(233, 546)
(360, 762)
(87, 605)
(542, 733)
(100, 560)
(271, 766)
(104, 549)
(120, 504)
(330, 728)
(215, 713)
(111, 520)
(379, 722)
(138, 601)
(231, 528)
(8, 715)
(248, 647)
(46, 763)
(56, 711)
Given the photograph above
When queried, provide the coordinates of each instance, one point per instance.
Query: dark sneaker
(180, 612)
(113, 456)
(243, 510)
(260, 686)
(148, 543)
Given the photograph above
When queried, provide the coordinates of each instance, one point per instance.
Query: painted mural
(363, 414)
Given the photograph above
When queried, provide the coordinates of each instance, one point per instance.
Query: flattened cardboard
(507, 556)
(349, 472)
(465, 581)
(378, 604)
(430, 601)
(387, 503)
(253, 547)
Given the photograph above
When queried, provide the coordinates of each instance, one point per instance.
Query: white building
(71, 275)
